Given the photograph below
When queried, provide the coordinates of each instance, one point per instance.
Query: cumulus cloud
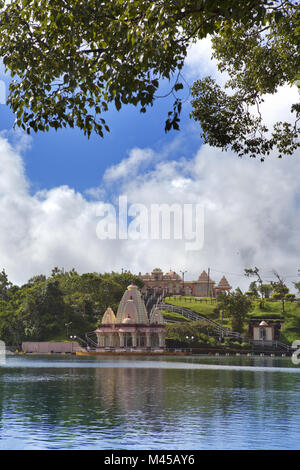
(130, 166)
(251, 209)
(47, 229)
(251, 213)
(199, 62)
(278, 107)
(251, 218)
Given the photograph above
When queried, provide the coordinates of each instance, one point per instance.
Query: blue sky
(68, 157)
(52, 184)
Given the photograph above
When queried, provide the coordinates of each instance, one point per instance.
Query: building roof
(171, 275)
(157, 317)
(224, 283)
(109, 317)
(132, 305)
(263, 323)
(130, 312)
(204, 278)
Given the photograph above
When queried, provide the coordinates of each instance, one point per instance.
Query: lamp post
(189, 339)
(67, 326)
(72, 337)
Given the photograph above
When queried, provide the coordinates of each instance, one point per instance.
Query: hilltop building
(172, 283)
(131, 329)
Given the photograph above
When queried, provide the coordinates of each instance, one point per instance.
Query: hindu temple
(131, 328)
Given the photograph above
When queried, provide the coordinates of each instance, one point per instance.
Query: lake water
(75, 402)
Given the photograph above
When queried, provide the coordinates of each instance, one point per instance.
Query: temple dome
(127, 320)
(130, 311)
(132, 305)
(157, 317)
(109, 317)
(132, 287)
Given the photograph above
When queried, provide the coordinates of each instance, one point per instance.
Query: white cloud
(199, 62)
(130, 166)
(252, 209)
(252, 217)
(47, 229)
(252, 213)
(278, 107)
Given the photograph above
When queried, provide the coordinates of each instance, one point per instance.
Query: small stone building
(265, 331)
(131, 329)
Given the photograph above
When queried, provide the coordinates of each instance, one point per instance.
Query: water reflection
(92, 404)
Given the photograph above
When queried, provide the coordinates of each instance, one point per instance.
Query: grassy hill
(270, 310)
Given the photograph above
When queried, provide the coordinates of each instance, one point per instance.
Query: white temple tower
(131, 329)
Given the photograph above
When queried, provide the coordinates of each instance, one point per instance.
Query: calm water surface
(73, 402)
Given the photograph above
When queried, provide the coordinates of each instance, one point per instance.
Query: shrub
(276, 296)
(290, 296)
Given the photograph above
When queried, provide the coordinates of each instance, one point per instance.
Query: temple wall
(47, 347)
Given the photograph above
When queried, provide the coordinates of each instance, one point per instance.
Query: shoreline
(185, 353)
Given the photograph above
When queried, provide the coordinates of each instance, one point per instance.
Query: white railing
(224, 332)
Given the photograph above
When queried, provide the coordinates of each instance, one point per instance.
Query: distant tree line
(275, 290)
(54, 307)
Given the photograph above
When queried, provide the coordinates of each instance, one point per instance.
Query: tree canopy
(237, 305)
(40, 309)
(71, 60)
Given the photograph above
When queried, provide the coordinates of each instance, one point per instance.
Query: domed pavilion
(131, 329)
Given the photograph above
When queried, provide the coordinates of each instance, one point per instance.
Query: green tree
(126, 278)
(191, 334)
(5, 285)
(265, 290)
(56, 272)
(42, 310)
(37, 278)
(253, 288)
(258, 60)
(236, 305)
(255, 273)
(10, 328)
(72, 60)
(280, 289)
(291, 297)
(297, 285)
